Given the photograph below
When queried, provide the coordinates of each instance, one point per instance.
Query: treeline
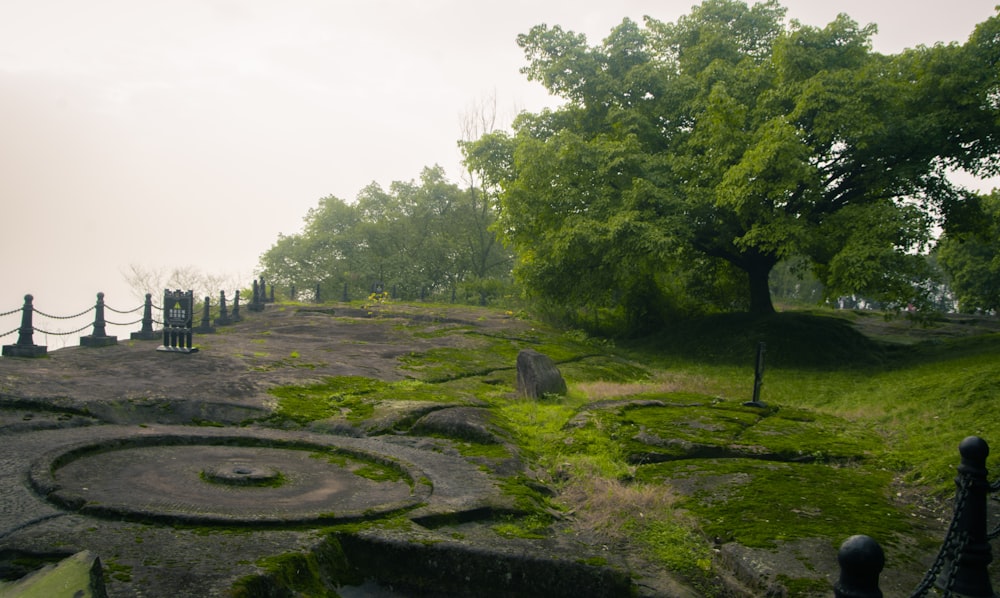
(712, 164)
(426, 239)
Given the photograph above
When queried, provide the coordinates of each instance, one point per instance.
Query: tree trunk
(760, 289)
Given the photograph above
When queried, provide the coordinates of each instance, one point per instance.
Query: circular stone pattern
(226, 481)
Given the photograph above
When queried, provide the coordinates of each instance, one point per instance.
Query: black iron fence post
(967, 574)
(961, 567)
(861, 561)
(26, 333)
(25, 345)
(99, 337)
(257, 304)
(223, 319)
(206, 317)
(236, 306)
(758, 376)
(146, 333)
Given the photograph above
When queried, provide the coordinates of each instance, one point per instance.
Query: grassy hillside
(652, 450)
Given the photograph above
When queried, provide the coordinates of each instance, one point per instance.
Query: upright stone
(537, 375)
(99, 337)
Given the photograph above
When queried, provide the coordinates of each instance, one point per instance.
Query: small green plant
(375, 303)
(378, 472)
(117, 572)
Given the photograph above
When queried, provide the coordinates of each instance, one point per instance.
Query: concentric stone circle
(227, 480)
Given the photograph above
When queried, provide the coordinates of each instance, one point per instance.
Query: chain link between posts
(954, 544)
(82, 313)
(132, 323)
(62, 333)
(133, 310)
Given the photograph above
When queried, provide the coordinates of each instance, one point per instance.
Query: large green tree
(971, 258)
(712, 148)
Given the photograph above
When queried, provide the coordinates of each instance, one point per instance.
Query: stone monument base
(167, 349)
(98, 341)
(147, 336)
(25, 350)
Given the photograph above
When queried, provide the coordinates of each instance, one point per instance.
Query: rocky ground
(107, 449)
(149, 425)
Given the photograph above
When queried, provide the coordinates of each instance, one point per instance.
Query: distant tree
(154, 280)
(971, 258)
(413, 237)
(477, 211)
(719, 145)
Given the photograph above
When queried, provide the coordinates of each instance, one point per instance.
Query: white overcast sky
(193, 132)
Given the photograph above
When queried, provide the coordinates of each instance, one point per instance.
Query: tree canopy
(689, 158)
(971, 258)
(419, 238)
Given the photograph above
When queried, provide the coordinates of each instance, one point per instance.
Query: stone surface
(85, 463)
(537, 375)
(88, 397)
(466, 423)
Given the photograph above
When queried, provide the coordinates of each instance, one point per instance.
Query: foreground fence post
(25, 345)
(961, 567)
(966, 570)
(861, 561)
(146, 333)
(99, 337)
